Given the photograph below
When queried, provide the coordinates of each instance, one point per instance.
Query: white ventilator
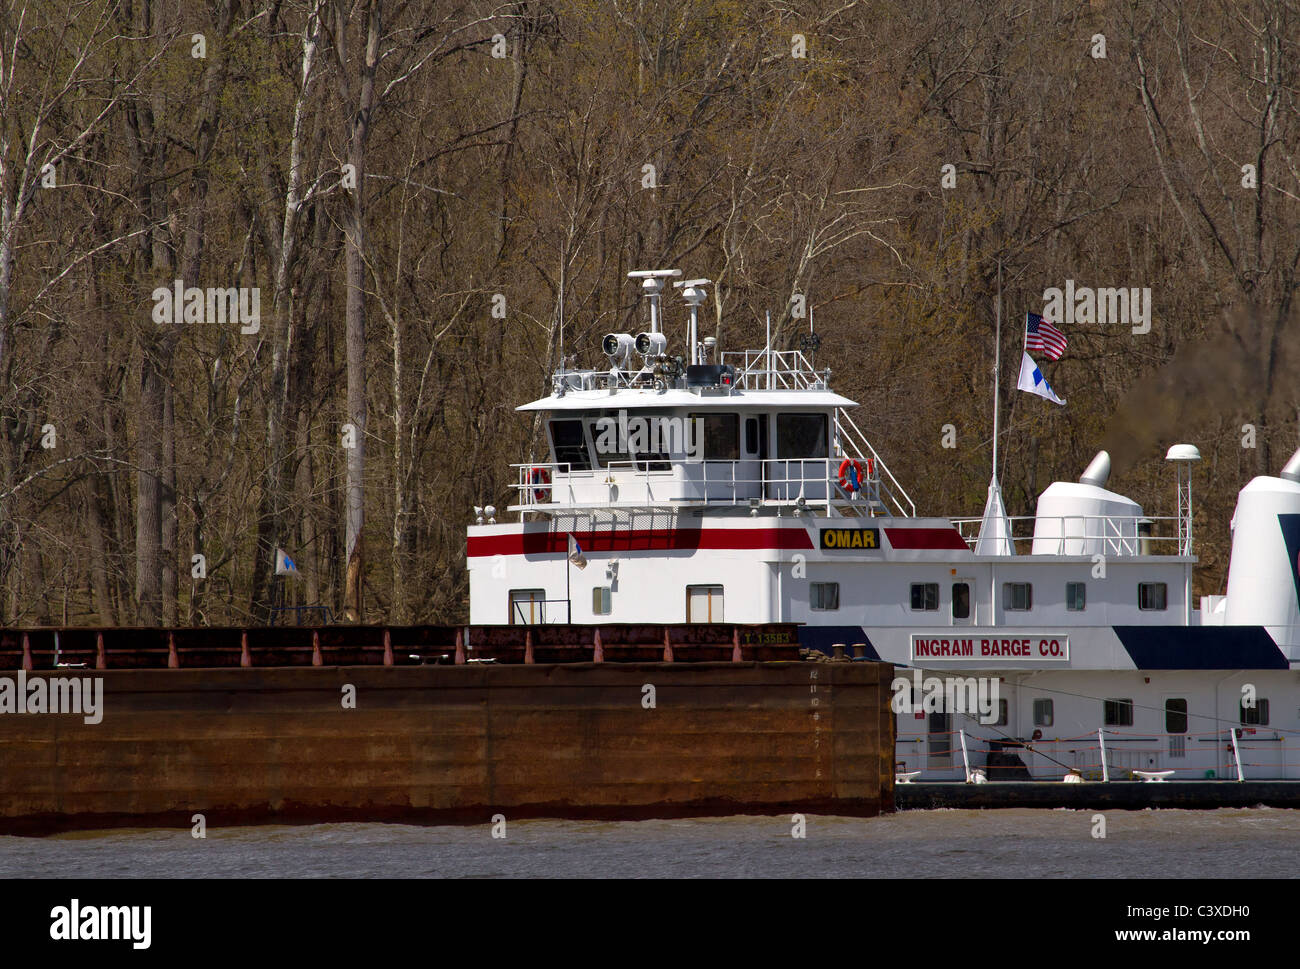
(1083, 518)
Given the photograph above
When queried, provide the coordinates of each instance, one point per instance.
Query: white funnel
(1098, 471)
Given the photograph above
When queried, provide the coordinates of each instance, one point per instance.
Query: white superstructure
(736, 487)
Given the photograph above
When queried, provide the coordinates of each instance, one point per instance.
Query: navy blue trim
(1291, 536)
(1201, 648)
(824, 637)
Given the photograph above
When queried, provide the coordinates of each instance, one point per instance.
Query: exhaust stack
(1098, 471)
(1291, 470)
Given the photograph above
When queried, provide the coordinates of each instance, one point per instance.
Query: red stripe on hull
(624, 540)
(926, 538)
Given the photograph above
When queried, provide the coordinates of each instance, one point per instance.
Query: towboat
(736, 486)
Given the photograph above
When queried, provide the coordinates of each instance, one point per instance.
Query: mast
(997, 371)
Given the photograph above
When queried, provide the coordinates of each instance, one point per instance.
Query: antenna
(693, 293)
(652, 283)
(767, 350)
(562, 261)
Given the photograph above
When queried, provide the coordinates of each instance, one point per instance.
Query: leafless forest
(420, 191)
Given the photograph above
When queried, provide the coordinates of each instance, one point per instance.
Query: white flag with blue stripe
(1033, 381)
(283, 564)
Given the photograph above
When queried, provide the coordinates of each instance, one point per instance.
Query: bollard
(859, 650)
(838, 650)
(101, 658)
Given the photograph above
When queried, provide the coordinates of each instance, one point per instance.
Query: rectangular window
(1076, 596)
(527, 606)
(1118, 713)
(1002, 714)
(721, 436)
(961, 600)
(1256, 716)
(801, 436)
(640, 438)
(1017, 596)
(751, 435)
(601, 600)
(825, 596)
(569, 446)
(704, 603)
(925, 596)
(1153, 595)
(1176, 715)
(1044, 713)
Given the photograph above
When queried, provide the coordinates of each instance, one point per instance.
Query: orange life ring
(540, 478)
(845, 482)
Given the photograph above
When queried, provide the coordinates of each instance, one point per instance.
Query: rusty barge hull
(452, 744)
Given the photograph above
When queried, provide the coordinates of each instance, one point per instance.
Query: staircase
(883, 492)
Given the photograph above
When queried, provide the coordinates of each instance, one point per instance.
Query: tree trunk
(355, 247)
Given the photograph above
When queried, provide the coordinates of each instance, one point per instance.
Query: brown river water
(1225, 843)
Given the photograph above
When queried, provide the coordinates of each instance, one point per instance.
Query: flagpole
(997, 372)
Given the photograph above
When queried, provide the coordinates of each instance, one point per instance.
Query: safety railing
(775, 370)
(654, 480)
(1079, 534)
(1105, 754)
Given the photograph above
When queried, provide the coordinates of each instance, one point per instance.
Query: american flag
(1043, 337)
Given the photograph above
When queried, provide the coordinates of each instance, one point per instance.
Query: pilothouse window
(569, 446)
(639, 438)
(800, 436)
(721, 436)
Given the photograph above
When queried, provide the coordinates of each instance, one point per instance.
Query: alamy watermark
(1083, 304)
(213, 305)
(970, 695)
(82, 695)
(654, 435)
(75, 922)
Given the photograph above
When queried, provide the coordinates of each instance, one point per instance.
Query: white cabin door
(704, 603)
(1176, 731)
(753, 450)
